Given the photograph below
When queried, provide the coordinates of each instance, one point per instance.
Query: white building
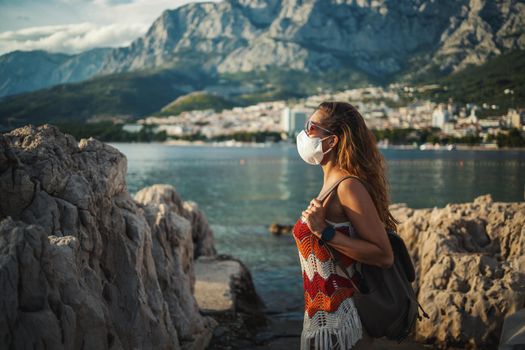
(133, 128)
(449, 128)
(172, 130)
(515, 118)
(293, 120)
(440, 116)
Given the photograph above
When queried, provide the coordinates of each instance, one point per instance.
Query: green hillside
(134, 94)
(278, 83)
(198, 100)
(145, 93)
(139, 94)
(485, 83)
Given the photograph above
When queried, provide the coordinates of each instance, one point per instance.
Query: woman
(352, 219)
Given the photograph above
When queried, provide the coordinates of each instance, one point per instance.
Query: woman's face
(314, 126)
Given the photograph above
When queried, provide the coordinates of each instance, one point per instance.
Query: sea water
(242, 190)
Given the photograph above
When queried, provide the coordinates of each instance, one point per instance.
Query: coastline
(465, 254)
(231, 143)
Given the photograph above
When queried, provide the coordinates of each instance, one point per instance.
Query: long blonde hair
(357, 153)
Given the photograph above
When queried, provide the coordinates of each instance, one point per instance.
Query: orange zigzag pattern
(311, 245)
(322, 302)
(327, 286)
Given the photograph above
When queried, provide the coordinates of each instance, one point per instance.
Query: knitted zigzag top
(330, 317)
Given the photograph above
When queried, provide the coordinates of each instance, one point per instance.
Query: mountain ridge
(139, 94)
(384, 39)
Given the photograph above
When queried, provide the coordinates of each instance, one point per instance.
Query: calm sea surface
(242, 190)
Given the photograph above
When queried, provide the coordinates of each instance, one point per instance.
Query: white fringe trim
(328, 338)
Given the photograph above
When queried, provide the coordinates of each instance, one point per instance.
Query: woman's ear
(334, 141)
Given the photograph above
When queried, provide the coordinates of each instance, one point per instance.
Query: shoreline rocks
(470, 267)
(85, 265)
(224, 290)
(279, 229)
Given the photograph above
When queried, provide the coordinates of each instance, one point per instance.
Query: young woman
(352, 219)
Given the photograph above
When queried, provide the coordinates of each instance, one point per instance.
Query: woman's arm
(373, 247)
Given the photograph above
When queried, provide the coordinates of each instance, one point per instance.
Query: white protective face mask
(311, 148)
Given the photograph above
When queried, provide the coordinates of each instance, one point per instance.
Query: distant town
(382, 108)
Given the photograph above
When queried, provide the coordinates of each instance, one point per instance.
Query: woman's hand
(314, 216)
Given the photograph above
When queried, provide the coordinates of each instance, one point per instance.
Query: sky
(73, 26)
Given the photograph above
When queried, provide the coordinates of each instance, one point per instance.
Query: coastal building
(449, 128)
(490, 124)
(173, 130)
(293, 120)
(132, 128)
(515, 118)
(440, 116)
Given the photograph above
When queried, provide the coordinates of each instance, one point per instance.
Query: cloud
(140, 11)
(72, 38)
(100, 23)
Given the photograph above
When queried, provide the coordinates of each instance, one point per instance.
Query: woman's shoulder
(351, 183)
(353, 188)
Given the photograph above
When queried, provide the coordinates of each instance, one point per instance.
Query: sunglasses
(310, 125)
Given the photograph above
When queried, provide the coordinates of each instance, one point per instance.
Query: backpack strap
(333, 253)
(323, 196)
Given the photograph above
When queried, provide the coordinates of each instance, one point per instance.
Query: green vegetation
(242, 136)
(109, 132)
(245, 136)
(278, 83)
(130, 94)
(142, 93)
(485, 84)
(404, 136)
(513, 139)
(196, 101)
(191, 137)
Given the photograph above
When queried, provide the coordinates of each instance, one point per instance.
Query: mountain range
(229, 42)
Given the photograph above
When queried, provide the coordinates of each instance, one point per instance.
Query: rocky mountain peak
(381, 38)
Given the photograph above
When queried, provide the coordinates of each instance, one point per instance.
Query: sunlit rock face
(470, 263)
(82, 263)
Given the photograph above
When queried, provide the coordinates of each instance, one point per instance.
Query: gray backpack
(384, 298)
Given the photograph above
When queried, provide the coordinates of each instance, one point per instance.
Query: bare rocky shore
(470, 263)
(85, 265)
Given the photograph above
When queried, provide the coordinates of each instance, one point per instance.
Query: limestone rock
(224, 285)
(214, 285)
(470, 273)
(201, 232)
(82, 264)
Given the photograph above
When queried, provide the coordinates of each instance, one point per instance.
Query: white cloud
(103, 23)
(139, 11)
(72, 38)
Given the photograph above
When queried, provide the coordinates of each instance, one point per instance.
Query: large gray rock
(165, 195)
(82, 264)
(470, 267)
(224, 285)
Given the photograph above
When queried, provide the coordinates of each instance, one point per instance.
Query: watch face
(328, 233)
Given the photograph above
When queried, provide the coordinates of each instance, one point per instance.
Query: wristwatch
(328, 233)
